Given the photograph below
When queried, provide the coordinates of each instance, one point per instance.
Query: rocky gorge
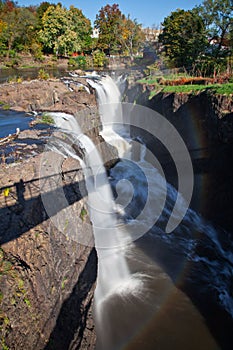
(48, 278)
(205, 122)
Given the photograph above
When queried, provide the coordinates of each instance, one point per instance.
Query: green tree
(183, 37)
(54, 23)
(109, 23)
(81, 25)
(41, 9)
(218, 18)
(64, 31)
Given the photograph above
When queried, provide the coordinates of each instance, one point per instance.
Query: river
(10, 120)
(29, 73)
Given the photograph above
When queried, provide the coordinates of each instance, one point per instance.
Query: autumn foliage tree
(116, 32)
(132, 35)
(108, 22)
(16, 28)
(47, 28)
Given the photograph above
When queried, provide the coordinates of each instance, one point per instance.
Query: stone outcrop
(49, 95)
(47, 276)
(212, 113)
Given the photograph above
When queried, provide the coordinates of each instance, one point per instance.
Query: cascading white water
(113, 272)
(109, 96)
(130, 286)
(114, 277)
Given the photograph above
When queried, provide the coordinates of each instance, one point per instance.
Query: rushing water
(162, 290)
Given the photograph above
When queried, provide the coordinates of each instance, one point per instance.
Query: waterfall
(109, 98)
(113, 271)
(135, 280)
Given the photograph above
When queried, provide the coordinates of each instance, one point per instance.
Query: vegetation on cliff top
(177, 83)
(200, 39)
(221, 89)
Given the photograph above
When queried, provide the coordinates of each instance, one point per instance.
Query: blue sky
(147, 12)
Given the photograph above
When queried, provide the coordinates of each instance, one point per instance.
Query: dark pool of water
(10, 120)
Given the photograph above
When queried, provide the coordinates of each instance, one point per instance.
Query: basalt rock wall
(211, 113)
(205, 122)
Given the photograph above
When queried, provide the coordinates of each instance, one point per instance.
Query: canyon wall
(205, 122)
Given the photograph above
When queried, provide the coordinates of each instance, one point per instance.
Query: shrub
(36, 50)
(79, 61)
(15, 79)
(210, 67)
(72, 62)
(99, 58)
(43, 75)
(46, 119)
(12, 63)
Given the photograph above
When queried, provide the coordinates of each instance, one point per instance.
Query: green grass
(221, 89)
(5, 107)
(150, 80)
(44, 119)
(224, 89)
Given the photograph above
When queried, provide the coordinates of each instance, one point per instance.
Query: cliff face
(47, 276)
(212, 113)
(205, 122)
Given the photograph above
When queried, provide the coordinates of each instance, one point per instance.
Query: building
(151, 34)
(95, 33)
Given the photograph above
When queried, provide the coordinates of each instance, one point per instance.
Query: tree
(41, 9)
(183, 37)
(132, 35)
(18, 28)
(54, 23)
(82, 26)
(64, 31)
(109, 21)
(117, 32)
(218, 18)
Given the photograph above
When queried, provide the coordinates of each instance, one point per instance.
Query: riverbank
(25, 67)
(28, 61)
